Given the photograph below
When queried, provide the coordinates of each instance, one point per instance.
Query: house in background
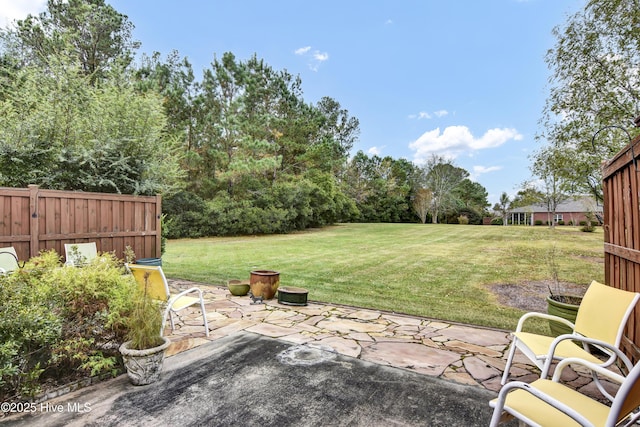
(572, 211)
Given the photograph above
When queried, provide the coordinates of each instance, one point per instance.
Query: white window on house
(557, 218)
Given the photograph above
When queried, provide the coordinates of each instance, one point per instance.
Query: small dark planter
(290, 295)
(565, 306)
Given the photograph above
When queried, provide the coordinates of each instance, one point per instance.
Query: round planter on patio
(567, 309)
(290, 295)
(144, 366)
(264, 283)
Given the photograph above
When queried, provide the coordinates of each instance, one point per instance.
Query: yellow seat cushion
(535, 409)
(540, 344)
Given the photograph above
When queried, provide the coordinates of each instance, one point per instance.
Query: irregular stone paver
(365, 315)
(346, 325)
(479, 336)
(342, 346)
(403, 320)
(273, 331)
(479, 369)
(472, 348)
(416, 357)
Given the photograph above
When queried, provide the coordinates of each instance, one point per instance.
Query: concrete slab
(240, 380)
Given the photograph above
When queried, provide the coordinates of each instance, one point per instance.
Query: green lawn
(439, 271)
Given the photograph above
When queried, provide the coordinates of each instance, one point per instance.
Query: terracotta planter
(566, 310)
(264, 283)
(144, 366)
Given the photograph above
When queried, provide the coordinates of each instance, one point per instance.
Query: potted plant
(143, 352)
(560, 302)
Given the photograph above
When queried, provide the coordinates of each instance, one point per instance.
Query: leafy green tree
(83, 137)
(595, 68)
(91, 31)
(442, 178)
(549, 167)
(471, 200)
(503, 207)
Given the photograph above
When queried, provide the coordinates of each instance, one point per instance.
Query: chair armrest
(616, 353)
(534, 314)
(589, 365)
(183, 293)
(519, 385)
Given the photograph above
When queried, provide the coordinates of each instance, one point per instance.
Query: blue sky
(465, 79)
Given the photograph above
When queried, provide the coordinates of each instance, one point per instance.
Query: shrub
(496, 221)
(59, 323)
(538, 222)
(462, 219)
(561, 222)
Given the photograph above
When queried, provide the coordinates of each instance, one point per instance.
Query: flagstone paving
(465, 354)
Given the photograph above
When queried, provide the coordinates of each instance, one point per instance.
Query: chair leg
(204, 317)
(507, 367)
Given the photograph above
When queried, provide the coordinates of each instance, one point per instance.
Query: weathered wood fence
(622, 233)
(35, 219)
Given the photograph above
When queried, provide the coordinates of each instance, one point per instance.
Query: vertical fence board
(35, 219)
(622, 234)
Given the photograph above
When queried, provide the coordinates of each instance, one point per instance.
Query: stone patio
(461, 353)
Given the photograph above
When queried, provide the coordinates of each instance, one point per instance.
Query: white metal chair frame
(13, 263)
(172, 300)
(564, 346)
(534, 403)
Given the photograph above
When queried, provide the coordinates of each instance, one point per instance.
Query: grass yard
(439, 271)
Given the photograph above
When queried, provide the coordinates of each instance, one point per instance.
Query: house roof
(576, 204)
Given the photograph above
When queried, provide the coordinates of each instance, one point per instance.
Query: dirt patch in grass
(530, 296)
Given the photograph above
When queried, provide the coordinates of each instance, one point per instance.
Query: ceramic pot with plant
(143, 352)
(560, 302)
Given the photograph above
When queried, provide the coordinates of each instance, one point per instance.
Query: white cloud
(481, 170)
(455, 140)
(10, 10)
(388, 22)
(320, 56)
(315, 58)
(374, 151)
(420, 115)
(426, 115)
(302, 50)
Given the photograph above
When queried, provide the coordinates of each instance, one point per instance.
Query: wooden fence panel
(622, 234)
(35, 219)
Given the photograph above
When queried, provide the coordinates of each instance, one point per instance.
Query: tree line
(238, 151)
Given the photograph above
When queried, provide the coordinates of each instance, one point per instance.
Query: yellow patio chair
(600, 322)
(158, 289)
(78, 254)
(552, 404)
(8, 260)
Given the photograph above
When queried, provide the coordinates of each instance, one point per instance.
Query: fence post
(158, 226)
(34, 223)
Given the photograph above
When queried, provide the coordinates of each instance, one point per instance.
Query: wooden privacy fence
(621, 188)
(34, 219)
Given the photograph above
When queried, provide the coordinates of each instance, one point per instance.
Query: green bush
(59, 323)
(537, 222)
(462, 219)
(561, 222)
